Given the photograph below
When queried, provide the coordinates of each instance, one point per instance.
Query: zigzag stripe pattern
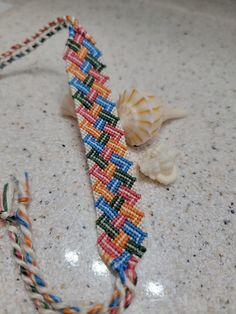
(120, 234)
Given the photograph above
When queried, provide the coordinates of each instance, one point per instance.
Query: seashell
(67, 106)
(159, 164)
(141, 116)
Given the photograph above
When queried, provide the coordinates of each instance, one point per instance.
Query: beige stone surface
(184, 52)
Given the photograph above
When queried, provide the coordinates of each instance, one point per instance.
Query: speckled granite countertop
(184, 52)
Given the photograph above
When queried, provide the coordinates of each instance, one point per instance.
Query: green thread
(94, 156)
(103, 222)
(135, 248)
(73, 45)
(89, 80)
(117, 202)
(124, 177)
(104, 138)
(109, 117)
(97, 64)
(4, 198)
(83, 99)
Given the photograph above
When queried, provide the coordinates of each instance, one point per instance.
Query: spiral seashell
(159, 164)
(67, 106)
(141, 116)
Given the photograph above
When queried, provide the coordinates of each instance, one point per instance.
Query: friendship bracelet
(120, 233)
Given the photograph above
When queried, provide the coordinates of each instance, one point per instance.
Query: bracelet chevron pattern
(119, 223)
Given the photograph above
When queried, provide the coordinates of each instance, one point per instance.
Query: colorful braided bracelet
(120, 234)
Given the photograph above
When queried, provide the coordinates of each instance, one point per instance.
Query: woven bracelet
(120, 233)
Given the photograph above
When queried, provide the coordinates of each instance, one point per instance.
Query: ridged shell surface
(140, 114)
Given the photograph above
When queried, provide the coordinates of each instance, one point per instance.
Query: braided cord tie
(120, 234)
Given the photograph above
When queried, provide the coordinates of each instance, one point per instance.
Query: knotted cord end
(14, 193)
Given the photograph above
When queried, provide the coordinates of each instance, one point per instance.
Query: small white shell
(159, 164)
(68, 107)
(141, 116)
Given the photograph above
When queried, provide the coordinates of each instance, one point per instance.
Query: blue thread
(110, 212)
(94, 51)
(92, 142)
(121, 261)
(75, 308)
(115, 302)
(120, 264)
(80, 86)
(21, 221)
(55, 298)
(86, 66)
(121, 275)
(99, 124)
(71, 31)
(39, 281)
(123, 163)
(135, 232)
(26, 175)
(105, 103)
(114, 185)
(28, 258)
